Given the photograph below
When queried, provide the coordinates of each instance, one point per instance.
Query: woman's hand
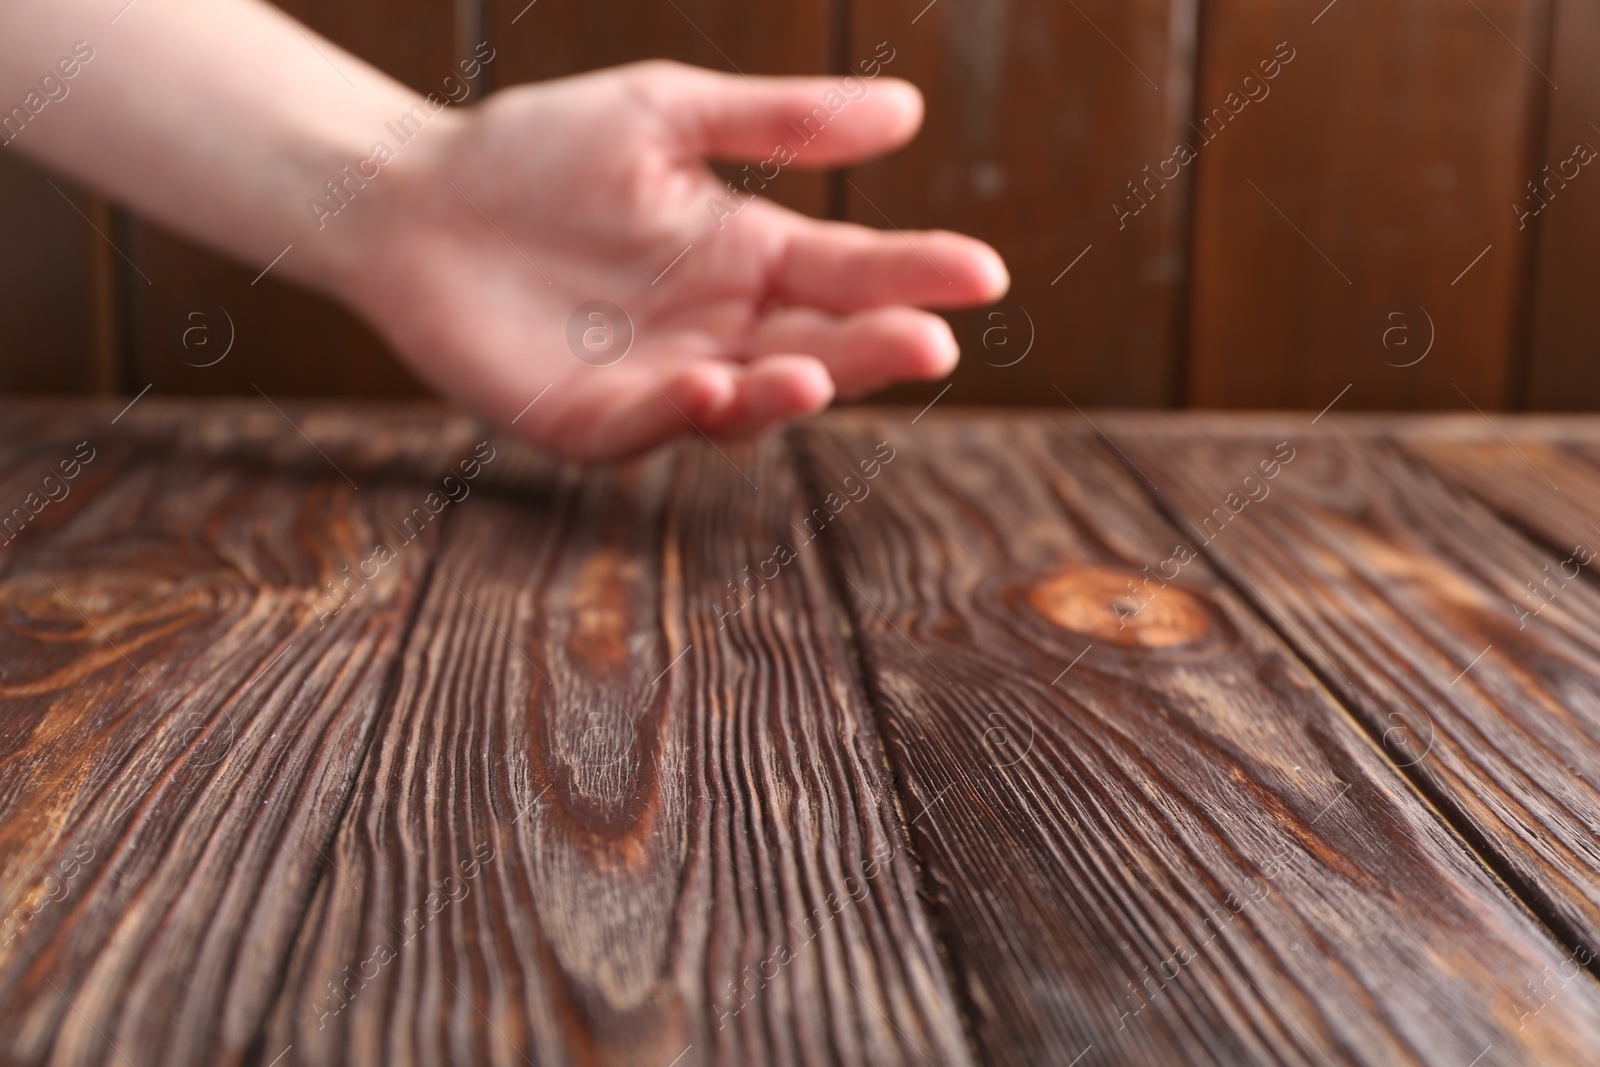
(477, 248)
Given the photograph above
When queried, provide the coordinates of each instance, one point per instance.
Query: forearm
(220, 119)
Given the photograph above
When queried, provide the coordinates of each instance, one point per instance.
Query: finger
(840, 266)
(710, 397)
(772, 390)
(864, 351)
(624, 415)
(807, 122)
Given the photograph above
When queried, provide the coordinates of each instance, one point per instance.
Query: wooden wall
(1218, 203)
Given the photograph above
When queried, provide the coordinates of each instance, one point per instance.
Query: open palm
(560, 242)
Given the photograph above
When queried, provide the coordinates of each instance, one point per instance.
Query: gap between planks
(809, 479)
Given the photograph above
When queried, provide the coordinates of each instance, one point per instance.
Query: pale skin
(472, 247)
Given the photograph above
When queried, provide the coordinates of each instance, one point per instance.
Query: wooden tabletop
(339, 735)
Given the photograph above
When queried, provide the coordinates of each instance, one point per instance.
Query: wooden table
(366, 736)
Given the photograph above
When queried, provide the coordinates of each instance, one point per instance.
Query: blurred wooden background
(1356, 220)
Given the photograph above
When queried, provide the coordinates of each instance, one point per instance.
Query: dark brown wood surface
(285, 340)
(901, 738)
(1538, 474)
(1099, 776)
(48, 274)
(1467, 650)
(690, 852)
(1385, 160)
(180, 733)
(1042, 121)
(1563, 373)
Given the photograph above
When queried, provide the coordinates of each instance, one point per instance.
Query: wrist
(362, 190)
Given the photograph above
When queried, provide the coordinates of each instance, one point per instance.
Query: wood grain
(610, 777)
(1385, 160)
(1541, 476)
(1039, 117)
(1149, 833)
(1466, 648)
(181, 729)
(665, 814)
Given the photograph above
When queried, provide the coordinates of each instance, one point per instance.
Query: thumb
(807, 122)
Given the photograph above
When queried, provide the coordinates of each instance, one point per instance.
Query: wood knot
(1119, 606)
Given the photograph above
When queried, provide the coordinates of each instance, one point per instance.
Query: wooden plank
(1542, 478)
(42, 440)
(1353, 193)
(46, 284)
(1042, 119)
(1151, 835)
(1433, 620)
(556, 38)
(1563, 373)
(615, 814)
(183, 719)
(285, 339)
